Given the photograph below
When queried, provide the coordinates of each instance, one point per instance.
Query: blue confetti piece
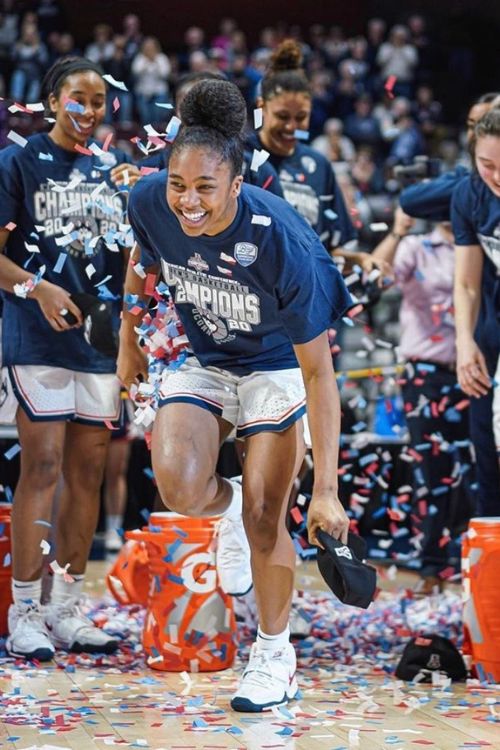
(330, 214)
(75, 107)
(175, 579)
(13, 451)
(45, 157)
(301, 135)
(7, 560)
(60, 262)
(285, 732)
(43, 523)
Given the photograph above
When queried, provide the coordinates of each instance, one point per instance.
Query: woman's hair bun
(215, 104)
(287, 56)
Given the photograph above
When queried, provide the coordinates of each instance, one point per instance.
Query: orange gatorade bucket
(190, 624)
(128, 579)
(5, 566)
(481, 594)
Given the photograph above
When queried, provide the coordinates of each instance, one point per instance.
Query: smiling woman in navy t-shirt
(256, 292)
(61, 217)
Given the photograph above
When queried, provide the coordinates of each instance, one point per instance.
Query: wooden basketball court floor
(83, 703)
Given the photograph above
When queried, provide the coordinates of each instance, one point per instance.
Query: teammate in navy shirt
(256, 292)
(61, 219)
(307, 178)
(476, 224)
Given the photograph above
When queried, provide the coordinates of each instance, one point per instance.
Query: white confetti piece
(113, 82)
(257, 118)
(45, 547)
(258, 159)
(264, 221)
(16, 138)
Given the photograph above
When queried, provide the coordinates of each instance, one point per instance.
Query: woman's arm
(472, 371)
(323, 409)
(132, 364)
(51, 298)
(386, 250)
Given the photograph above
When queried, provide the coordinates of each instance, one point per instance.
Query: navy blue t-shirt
(475, 216)
(60, 201)
(265, 176)
(309, 185)
(247, 293)
(431, 199)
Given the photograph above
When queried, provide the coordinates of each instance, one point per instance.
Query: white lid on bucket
(486, 519)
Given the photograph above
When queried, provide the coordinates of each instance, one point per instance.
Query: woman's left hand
(326, 512)
(125, 174)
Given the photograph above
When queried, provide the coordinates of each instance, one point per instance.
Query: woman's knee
(261, 519)
(41, 469)
(182, 488)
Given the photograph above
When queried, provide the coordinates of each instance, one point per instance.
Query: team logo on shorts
(197, 262)
(245, 253)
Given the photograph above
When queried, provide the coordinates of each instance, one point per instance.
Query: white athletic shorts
(54, 393)
(264, 401)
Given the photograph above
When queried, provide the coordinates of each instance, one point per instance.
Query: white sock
(235, 507)
(26, 591)
(113, 523)
(62, 590)
(267, 642)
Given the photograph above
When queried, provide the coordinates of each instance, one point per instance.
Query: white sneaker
(113, 542)
(28, 636)
(269, 680)
(70, 630)
(233, 551)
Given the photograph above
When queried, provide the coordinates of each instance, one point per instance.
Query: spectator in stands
(362, 126)
(335, 46)
(102, 48)
(375, 35)
(346, 91)
(9, 23)
(133, 35)
(409, 141)
(337, 147)
(119, 66)
(322, 101)
(224, 38)
(423, 268)
(427, 111)
(366, 175)
(398, 57)
(151, 69)
(30, 59)
(194, 42)
(357, 59)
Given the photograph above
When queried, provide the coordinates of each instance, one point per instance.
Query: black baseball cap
(430, 653)
(97, 323)
(342, 567)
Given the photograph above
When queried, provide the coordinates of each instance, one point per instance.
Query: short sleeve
(11, 187)
(462, 214)
(311, 292)
(137, 205)
(405, 259)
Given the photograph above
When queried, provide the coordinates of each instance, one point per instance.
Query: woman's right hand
(132, 364)
(54, 303)
(402, 222)
(472, 372)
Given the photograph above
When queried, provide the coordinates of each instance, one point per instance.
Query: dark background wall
(463, 28)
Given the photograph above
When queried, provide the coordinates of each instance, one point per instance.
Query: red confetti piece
(296, 515)
(149, 170)
(110, 425)
(355, 311)
(150, 284)
(462, 404)
(10, 226)
(389, 85)
(82, 150)
(107, 142)
(267, 182)
(116, 104)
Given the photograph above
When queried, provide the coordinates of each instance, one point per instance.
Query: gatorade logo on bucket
(199, 574)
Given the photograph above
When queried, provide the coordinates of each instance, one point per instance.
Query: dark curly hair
(213, 115)
(285, 72)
